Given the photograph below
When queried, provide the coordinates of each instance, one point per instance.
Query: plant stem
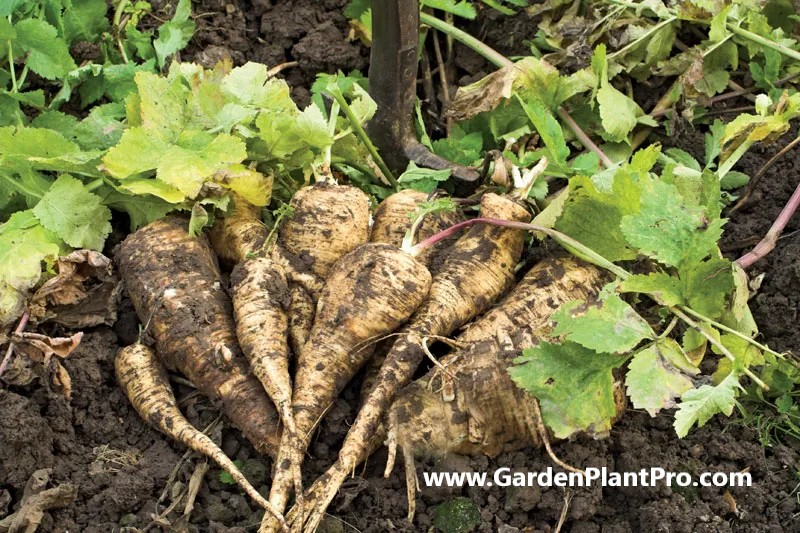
(11, 70)
(23, 321)
(761, 171)
(718, 345)
(23, 75)
(647, 34)
(495, 57)
(764, 41)
(373, 152)
(726, 329)
(584, 139)
(767, 244)
(566, 241)
(499, 60)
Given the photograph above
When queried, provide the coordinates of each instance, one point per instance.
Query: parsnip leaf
(699, 405)
(653, 380)
(24, 245)
(73, 213)
(668, 230)
(609, 325)
(574, 386)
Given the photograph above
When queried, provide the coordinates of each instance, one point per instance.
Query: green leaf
(155, 187)
(187, 168)
(707, 285)
(7, 32)
(48, 55)
(55, 120)
(141, 210)
(699, 405)
(250, 184)
(593, 216)
(84, 20)
(248, 84)
(669, 231)
(76, 215)
(102, 128)
(549, 130)
(125, 159)
(617, 112)
(668, 289)
(653, 381)
(161, 107)
(460, 148)
(733, 180)
(175, 34)
(24, 245)
(199, 220)
(713, 141)
(25, 143)
(422, 179)
(609, 325)
(459, 8)
(7, 7)
(574, 386)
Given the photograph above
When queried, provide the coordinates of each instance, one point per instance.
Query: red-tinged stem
(20, 328)
(767, 244)
(568, 242)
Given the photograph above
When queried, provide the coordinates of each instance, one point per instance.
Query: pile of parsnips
(339, 290)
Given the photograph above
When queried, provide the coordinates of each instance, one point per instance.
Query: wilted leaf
(83, 294)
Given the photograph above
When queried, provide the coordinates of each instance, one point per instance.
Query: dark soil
(121, 467)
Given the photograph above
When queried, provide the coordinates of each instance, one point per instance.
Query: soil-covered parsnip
(175, 285)
(369, 293)
(144, 379)
(329, 221)
(469, 398)
(477, 270)
(301, 317)
(239, 233)
(393, 219)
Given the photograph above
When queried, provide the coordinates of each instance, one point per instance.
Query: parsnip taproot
(175, 285)
(301, 317)
(393, 219)
(369, 293)
(144, 379)
(329, 221)
(239, 233)
(478, 269)
(469, 404)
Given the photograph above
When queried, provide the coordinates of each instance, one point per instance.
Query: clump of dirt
(312, 33)
(95, 441)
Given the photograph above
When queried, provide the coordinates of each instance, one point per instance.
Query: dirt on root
(122, 468)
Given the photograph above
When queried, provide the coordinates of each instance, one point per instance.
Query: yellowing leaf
(652, 381)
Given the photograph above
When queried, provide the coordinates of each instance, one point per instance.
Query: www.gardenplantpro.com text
(505, 477)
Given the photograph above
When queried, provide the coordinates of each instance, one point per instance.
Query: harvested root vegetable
(301, 317)
(478, 269)
(469, 398)
(260, 301)
(369, 293)
(392, 221)
(329, 221)
(239, 233)
(175, 285)
(145, 382)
